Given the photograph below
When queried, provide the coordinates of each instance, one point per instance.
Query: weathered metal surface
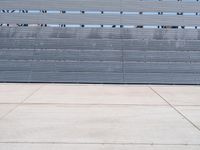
(99, 33)
(98, 19)
(100, 55)
(103, 5)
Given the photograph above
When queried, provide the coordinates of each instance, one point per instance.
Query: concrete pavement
(99, 117)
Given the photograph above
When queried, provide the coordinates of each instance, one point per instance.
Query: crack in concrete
(179, 112)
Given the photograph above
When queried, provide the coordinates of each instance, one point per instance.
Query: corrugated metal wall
(33, 50)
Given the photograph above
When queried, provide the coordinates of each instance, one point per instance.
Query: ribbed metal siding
(100, 55)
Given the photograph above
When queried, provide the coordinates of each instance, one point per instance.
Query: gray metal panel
(89, 66)
(99, 33)
(161, 45)
(20, 54)
(15, 66)
(95, 19)
(165, 20)
(62, 4)
(56, 43)
(37, 18)
(151, 78)
(77, 77)
(15, 76)
(162, 67)
(161, 56)
(56, 66)
(60, 55)
(101, 44)
(103, 5)
(99, 58)
(162, 78)
(99, 55)
(57, 32)
(160, 6)
(96, 55)
(195, 56)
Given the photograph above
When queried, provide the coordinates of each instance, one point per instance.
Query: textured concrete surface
(5, 108)
(20, 146)
(180, 95)
(99, 117)
(96, 95)
(16, 93)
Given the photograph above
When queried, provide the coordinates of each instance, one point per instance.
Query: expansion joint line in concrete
(17, 105)
(172, 106)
